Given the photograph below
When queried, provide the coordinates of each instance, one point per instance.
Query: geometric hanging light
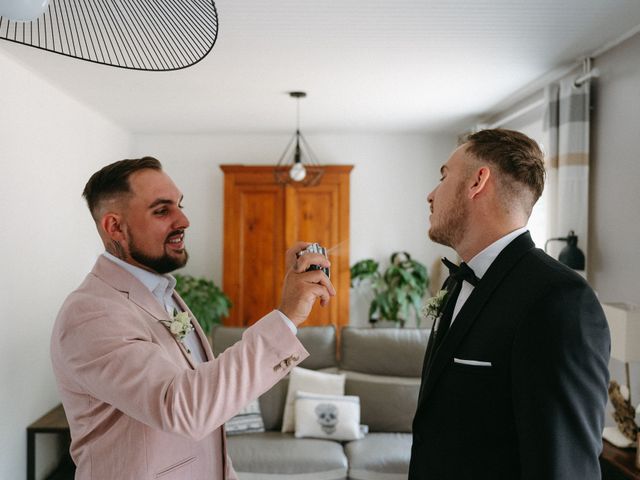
(306, 173)
(152, 35)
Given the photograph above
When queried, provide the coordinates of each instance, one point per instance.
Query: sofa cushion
(275, 455)
(311, 381)
(379, 456)
(223, 337)
(272, 404)
(332, 417)
(383, 351)
(320, 342)
(247, 420)
(273, 400)
(387, 404)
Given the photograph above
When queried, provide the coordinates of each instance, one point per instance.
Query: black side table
(55, 422)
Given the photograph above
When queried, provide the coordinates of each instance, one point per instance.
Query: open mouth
(176, 240)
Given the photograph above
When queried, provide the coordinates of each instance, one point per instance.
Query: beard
(161, 264)
(451, 228)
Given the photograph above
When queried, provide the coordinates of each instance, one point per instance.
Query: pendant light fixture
(291, 169)
(23, 10)
(158, 35)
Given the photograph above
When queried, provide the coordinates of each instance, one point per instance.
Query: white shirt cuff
(288, 322)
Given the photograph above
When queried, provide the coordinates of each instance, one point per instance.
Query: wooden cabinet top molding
(239, 168)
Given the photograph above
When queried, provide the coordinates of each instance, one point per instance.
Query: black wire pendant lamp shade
(152, 35)
(290, 168)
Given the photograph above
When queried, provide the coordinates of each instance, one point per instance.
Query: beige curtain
(566, 127)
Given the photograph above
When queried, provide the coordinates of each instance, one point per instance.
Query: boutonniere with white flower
(179, 326)
(433, 307)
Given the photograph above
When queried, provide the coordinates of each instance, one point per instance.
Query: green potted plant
(207, 302)
(397, 291)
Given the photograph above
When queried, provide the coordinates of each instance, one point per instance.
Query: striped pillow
(247, 420)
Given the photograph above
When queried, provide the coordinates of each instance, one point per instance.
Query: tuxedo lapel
(471, 309)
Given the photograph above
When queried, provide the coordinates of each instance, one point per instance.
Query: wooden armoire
(262, 219)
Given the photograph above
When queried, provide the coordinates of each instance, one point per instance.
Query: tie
(457, 274)
(460, 273)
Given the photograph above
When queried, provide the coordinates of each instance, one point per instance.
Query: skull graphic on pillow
(327, 417)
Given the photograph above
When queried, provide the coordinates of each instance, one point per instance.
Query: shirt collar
(483, 260)
(161, 286)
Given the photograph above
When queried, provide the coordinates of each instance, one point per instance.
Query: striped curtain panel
(566, 128)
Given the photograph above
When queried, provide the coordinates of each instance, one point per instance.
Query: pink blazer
(137, 405)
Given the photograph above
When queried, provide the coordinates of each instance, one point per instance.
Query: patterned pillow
(332, 417)
(247, 420)
(302, 379)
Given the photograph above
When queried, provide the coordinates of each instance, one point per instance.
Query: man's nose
(182, 221)
(430, 196)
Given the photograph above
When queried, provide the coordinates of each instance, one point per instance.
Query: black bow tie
(462, 272)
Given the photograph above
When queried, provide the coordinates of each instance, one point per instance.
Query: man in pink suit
(144, 397)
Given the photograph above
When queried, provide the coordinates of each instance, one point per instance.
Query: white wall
(614, 226)
(392, 176)
(615, 196)
(49, 146)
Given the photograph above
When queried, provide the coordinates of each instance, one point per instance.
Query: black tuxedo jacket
(537, 412)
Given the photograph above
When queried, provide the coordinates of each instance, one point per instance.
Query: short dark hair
(113, 180)
(516, 155)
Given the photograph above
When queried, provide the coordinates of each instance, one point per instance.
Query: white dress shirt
(481, 263)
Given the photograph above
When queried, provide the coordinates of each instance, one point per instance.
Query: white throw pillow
(247, 420)
(332, 417)
(310, 381)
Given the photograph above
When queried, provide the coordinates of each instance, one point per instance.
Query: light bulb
(297, 172)
(23, 10)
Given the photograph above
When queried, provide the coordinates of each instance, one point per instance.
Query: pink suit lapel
(124, 282)
(204, 341)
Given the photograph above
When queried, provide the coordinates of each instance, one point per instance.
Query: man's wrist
(288, 322)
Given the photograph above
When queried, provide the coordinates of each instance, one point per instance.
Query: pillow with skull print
(304, 380)
(334, 417)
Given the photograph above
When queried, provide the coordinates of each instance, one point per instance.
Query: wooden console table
(618, 463)
(55, 422)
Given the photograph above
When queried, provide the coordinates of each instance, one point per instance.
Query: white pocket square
(475, 363)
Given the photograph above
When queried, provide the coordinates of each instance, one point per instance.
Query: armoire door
(262, 219)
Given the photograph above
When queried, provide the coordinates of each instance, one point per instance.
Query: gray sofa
(382, 367)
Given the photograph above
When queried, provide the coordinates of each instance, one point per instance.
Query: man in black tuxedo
(515, 388)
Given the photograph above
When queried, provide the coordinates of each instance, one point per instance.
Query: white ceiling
(401, 65)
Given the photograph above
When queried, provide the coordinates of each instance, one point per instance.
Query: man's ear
(480, 181)
(112, 226)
